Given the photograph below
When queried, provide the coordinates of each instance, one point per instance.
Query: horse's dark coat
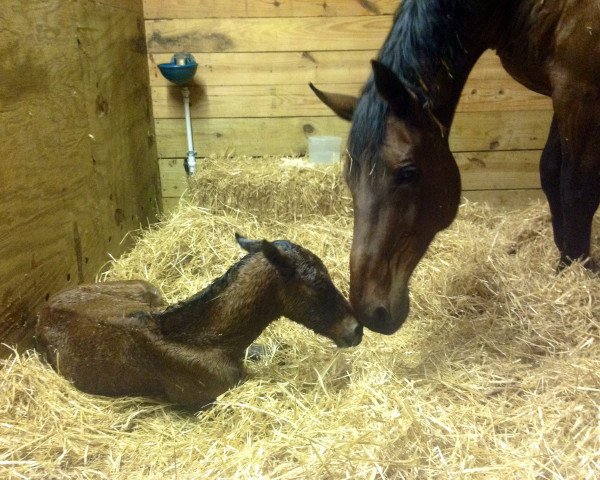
(116, 338)
(404, 180)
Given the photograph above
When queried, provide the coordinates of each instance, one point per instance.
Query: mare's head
(306, 291)
(405, 187)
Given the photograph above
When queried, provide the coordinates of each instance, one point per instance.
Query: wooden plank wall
(251, 97)
(78, 168)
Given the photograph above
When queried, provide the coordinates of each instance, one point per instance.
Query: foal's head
(306, 292)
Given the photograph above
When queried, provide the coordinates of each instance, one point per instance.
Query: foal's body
(115, 339)
(404, 180)
(109, 343)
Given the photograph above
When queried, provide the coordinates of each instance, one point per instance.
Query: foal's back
(115, 312)
(108, 300)
(111, 345)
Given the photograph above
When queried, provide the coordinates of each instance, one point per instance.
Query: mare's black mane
(424, 41)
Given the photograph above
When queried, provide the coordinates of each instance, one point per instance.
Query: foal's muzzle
(351, 336)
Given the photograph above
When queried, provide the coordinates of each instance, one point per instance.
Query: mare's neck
(433, 46)
(231, 312)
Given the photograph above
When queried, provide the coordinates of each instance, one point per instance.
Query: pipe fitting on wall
(190, 163)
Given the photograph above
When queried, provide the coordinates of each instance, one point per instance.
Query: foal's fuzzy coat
(116, 339)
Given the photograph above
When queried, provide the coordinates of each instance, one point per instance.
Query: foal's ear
(279, 259)
(392, 90)
(251, 246)
(342, 105)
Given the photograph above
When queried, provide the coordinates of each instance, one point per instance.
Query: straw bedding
(496, 374)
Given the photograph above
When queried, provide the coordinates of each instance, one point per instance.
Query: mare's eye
(406, 174)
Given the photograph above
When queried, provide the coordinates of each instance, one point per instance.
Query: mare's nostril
(358, 330)
(382, 316)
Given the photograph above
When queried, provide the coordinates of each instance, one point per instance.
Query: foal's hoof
(255, 352)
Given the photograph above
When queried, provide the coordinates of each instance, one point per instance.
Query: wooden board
(266, 8)
(272, 68)
(504, 130)
(252, 136)
(287, 34)
(514, 169)
(241, 101)
(297, 67)
(174, 180)
(472, 132)
(131, 5)
(119, 112)
(505, 199)
(250, 94)
(246, 101)
(170, 204)
(78, 171)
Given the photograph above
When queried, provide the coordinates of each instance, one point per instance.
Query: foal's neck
(433, 46)
(231, 312)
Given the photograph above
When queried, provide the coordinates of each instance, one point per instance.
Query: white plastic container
(324, 149)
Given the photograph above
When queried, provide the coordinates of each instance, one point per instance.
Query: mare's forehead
(367, 130)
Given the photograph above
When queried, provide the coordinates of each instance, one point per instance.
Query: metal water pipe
(180, 71)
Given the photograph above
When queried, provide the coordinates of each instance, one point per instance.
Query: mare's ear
(279, 259)
(401, 100)
(251, 246)
(342, 105)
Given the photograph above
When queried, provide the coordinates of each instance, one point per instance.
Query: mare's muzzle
(383, 319)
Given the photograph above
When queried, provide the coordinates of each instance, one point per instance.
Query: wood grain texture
(154, 9)
(250, 94)
(130, 5)
(119, 110)
(246, 101)
(287, 34)
(297, 67)
(513, 169)
(472, 132)
(247, 136)
(505, 199)
(240, 101)
(78, 172)
(273, 68)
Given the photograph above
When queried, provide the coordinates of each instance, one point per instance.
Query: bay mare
(404, 180)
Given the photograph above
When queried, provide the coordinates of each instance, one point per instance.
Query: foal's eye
(406, 174)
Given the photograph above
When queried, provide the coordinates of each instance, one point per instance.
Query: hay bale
(273, 188)
(495, 374)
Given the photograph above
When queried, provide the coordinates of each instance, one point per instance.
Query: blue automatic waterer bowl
(181, 69)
